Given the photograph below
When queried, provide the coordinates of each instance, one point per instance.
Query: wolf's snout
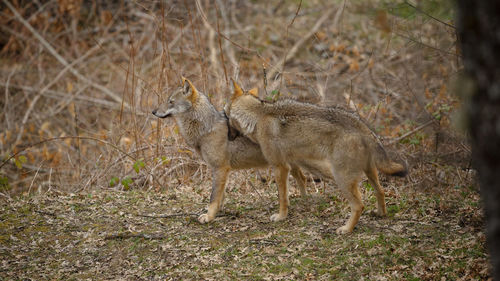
(154, 112)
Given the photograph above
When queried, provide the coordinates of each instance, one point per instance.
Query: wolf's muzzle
(155, 113)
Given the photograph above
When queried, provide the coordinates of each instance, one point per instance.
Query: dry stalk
(286, 39)
(195, 39)
(133, 88)
(220, 45)
(214, 64)
(227, 46)
(402, 137)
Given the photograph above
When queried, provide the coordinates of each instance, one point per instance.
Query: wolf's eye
(171, 102)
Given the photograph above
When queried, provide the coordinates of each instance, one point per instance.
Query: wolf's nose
(154, 112)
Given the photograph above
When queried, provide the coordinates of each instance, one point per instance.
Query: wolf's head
(240, 96)
(180, 101)
(240, 109)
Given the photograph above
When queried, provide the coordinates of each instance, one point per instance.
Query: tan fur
(254, 92)
(329, 142)
(194, 94)
(237, 91)
(206, 130)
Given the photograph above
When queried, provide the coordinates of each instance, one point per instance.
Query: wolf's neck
(247, 117)
(197, 122)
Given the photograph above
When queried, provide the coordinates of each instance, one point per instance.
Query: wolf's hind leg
(219, 176)
(282, 181)
(350, 189)
(300, 179)
(372, 175)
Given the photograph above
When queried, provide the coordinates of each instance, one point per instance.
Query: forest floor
(141, 235)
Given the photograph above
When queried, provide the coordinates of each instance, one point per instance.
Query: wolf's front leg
(282, 181)
(219, 176)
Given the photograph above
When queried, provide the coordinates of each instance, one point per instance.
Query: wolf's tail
(387, 165)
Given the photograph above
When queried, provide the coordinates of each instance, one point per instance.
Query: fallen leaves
(100, 234)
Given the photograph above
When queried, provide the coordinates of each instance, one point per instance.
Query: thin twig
(265, 78)
(169, 215)
(220, 45)
(426, 45)
(258, 193)
(128, 235)
(411, 132)
(32, 181)
(434, 18)
(50, 182)
(223, 214)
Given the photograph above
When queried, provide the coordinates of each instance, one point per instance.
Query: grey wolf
(206, 130)
(329, 142)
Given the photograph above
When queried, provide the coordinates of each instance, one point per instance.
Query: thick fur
(329, 142)
(206, 130)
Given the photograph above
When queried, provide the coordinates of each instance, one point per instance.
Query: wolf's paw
(343, 230)
(377, 214)
(204, 218)
(277, 217)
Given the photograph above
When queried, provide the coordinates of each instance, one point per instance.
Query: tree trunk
(478, 26)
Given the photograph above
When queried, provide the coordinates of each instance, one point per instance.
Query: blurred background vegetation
(80, 78)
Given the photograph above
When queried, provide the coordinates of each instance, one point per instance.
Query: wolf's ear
(186, 84)
(189, 89)
(237, 89)
(254, 92)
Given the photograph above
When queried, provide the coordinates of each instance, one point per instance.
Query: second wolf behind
(330, 142)
(206, 130)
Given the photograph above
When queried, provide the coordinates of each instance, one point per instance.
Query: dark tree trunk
(478, 26)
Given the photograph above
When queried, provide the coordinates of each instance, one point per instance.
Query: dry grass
(80, 78)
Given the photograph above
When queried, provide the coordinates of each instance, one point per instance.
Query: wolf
(206, 130)
(327, 141)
